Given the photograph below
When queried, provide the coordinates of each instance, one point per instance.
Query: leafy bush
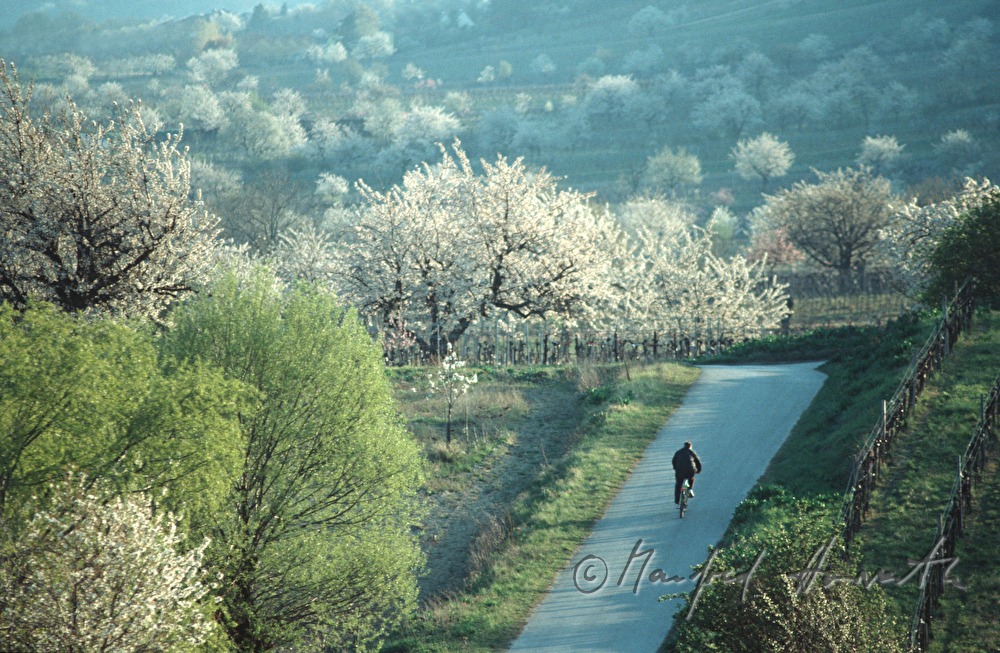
(93, 395)
(968, 248)
(770, 603)
(316, 546)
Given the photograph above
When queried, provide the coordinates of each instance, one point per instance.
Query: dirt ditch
(463, 526)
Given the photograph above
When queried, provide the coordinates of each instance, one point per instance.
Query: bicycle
(682, 506)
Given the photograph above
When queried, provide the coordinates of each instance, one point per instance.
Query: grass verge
(621, 415)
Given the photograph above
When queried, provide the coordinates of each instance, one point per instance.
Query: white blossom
(763, 157)
(91, 574)
(914, 231)
(449, 246)
(880, 153)
(96, 217)
(448, 382)
(212, 66)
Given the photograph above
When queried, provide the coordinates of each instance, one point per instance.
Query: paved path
(736, 417)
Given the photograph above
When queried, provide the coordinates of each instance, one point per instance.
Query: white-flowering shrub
(92, 574)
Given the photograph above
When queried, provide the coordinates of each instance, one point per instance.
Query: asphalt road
(736, 417)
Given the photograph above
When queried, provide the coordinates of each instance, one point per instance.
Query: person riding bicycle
(686, 464)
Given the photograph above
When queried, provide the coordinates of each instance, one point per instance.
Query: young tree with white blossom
(89, 573)
(763, 157)
(448, 382)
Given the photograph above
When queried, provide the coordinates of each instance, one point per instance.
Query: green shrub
(969, 248)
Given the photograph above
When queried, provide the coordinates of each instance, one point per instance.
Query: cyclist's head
(687, 445)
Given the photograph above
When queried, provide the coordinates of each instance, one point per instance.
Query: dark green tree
(969, 248)
(316, 547)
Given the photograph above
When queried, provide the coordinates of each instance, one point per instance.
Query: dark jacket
(686, 462)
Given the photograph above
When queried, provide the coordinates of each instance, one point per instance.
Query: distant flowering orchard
(450, 247)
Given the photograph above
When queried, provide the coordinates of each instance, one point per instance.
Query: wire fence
(870, 460)
(951, 523)
(823, 298)
(535, 344)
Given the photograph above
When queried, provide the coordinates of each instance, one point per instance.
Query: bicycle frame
(684, 498)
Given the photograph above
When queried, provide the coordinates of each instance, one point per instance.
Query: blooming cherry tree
(677, 280)
(763, 157)
(212, 66)
(880, 153)
(94, 216)
(449, 246)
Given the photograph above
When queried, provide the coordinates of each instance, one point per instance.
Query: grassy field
(613, 414)
(904, 517)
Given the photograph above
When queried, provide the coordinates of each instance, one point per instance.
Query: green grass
(904, 517)
(482, 421)
(553, 517)
(967, 621)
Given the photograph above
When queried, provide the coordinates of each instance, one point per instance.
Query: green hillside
(539, 80)
(720, 34)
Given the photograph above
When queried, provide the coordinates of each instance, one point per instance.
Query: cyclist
(686, 464)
